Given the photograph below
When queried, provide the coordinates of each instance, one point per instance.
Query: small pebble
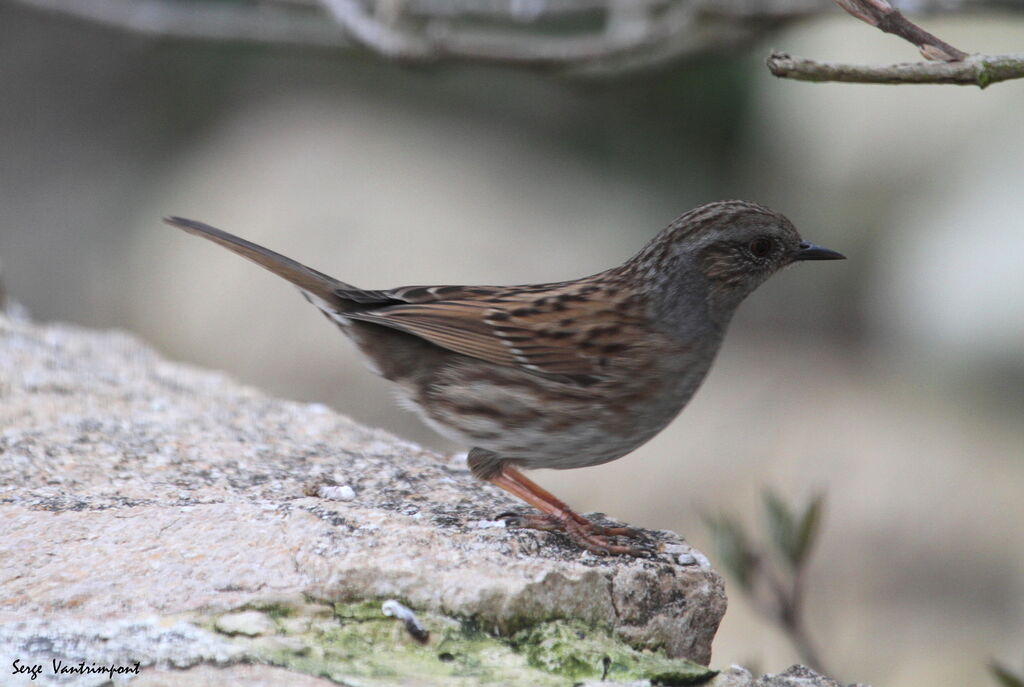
(336, 493)
(694, 558)
(393, 608)
(460, 459)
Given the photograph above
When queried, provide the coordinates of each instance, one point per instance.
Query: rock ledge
(142, 494)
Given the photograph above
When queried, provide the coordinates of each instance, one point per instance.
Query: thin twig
(442, 39)
(880, 14)
(792, 618)
(592, 38)
(381, 37)
(949, 65)
(974, 70)
(785, 607)
(276, 23)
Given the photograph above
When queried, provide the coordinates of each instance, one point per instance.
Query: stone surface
(134, 490)
(247, 675)
(101, 643)
(795, 676)
(248, 623)
(349, 644)
(798, 676)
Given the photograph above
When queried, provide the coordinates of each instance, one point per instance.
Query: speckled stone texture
(132, 487)
(794, 676)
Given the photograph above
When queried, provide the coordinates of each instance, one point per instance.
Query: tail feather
(322, 288)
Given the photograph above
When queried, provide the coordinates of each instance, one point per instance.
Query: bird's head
(741, 244)
(721, 252)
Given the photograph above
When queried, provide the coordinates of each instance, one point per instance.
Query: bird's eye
(760, 247)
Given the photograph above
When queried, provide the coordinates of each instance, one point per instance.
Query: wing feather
(561, 330)
(455, 326)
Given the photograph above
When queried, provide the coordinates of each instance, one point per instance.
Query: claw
(532, 521)
(556, 516)
(507, 515)
(584, 533)
(512, 522)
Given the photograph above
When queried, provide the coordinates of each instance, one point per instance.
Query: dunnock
(561, 375)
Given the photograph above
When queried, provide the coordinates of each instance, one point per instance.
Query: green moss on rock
(358, 645)
(576, 651)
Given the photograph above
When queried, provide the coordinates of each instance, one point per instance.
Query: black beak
(809, 251)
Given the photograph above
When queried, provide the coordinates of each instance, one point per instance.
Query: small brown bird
(561, 375)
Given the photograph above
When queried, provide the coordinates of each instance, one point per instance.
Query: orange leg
(557, 516)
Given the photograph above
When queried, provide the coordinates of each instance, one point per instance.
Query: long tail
(315, 284)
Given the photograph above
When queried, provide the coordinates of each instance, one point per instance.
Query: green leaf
(781, 526)
(734, 549)
(807, 533)
(1004, 676)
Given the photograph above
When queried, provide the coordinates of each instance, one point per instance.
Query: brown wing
(571, 329)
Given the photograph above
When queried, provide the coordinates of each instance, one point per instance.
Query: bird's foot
(590, 536)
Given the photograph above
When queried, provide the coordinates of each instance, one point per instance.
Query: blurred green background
(894, 381)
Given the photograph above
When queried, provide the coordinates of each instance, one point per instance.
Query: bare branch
(975, 70)
(582, 37)
(949, 65)
(283, 23)
(381, 36)
(881, 14)
(441, 38)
